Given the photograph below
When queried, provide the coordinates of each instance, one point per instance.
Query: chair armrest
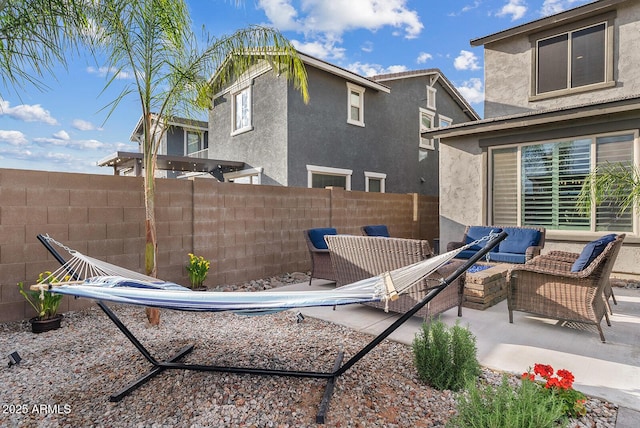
(454, 245)
(532, 252)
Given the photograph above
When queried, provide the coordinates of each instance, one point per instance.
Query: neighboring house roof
(552, 20)
(174, 121)
(539, 117)
(436, 74)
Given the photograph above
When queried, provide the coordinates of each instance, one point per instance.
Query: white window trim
(443, 118)
(360, 90)
(431, 97)
(248, 128)
(311, 169)
(426, 143)
(375, 175)
(249, 172)
(201, 150)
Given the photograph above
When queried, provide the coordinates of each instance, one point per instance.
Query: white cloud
(15, 138)
(323, 50)
(83, 125)
(369, 70)
(423, 57)
(367, 47)
(107, 71)
(466, 61)
(472, 90)
(551, 7)
(338, 16)
(72, 144)
(62, 135)
(514, 8)
(27, 113)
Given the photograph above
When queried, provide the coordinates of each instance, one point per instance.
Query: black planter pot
(40, 326)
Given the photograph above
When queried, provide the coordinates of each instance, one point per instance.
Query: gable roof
(436, 74)
(173, 121)
(567, 16)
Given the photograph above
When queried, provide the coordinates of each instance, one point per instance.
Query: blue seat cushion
(466, 254)
(377, 230)
(476, 232)
(317, 236)
(518, 240)
(506, 257)
(590, 251)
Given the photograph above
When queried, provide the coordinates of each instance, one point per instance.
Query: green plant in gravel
(446, 358)
(506, 406)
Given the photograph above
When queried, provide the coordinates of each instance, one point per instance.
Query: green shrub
(446, 358)
(506, 407)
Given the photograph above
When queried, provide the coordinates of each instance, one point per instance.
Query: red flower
(527, 375)
(543, 370)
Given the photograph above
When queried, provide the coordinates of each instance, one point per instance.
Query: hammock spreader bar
(331, 376)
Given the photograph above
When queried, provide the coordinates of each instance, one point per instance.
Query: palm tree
(614, 183)
(173, 76)
(35, 35)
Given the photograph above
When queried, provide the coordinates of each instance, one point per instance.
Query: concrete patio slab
(610, 370)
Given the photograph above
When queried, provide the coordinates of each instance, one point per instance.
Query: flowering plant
(561, 385)
(198, 268)
(45, 303)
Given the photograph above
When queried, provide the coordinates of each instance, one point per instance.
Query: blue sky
(65, 127)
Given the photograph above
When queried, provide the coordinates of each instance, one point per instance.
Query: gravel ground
(66, 376)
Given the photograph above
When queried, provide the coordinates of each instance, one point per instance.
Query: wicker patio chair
(359, 257)
(321, 266)
(547, 287)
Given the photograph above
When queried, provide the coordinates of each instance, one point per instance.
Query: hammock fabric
(107, 282)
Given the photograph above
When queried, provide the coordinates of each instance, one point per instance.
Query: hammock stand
(338, 369)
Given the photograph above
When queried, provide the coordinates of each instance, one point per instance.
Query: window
(444, 121)
(537, 184)
(431, 97)
(321, 177)
(573, 59)
(374, 182)
(241, 106)
(355, 104)
(426, 122)
(194, 143)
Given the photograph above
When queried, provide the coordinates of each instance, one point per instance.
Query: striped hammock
(104, 281)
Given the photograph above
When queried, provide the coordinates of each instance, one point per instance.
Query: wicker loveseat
(555, 289)
(359, 257)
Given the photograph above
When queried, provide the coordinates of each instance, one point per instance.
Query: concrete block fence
(248, 232)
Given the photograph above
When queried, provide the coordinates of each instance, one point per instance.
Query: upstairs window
(573, 59)
(427, 119)
(355, 104)
(241, 106)
(194, 143)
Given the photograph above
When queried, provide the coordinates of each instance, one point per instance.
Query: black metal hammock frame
(331, 376)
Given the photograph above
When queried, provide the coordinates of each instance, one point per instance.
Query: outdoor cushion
(377, 230)
(477, 232)
(591, 251)
(506, 257)
(518, 240)
(317, 236)
(466, 254)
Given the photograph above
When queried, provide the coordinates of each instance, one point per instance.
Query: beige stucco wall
(508, 67)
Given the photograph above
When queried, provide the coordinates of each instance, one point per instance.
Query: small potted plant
(45, 304)
(197, 268)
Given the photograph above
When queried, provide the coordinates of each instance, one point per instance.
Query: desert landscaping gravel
(66, 376)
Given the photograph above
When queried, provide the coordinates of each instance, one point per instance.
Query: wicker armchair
(359, 257)
(547, 287)
(321, 267)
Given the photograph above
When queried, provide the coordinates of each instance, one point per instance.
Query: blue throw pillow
(519, 239)
(377, 230)
(317, 236)
(590, 251)
(476, 232)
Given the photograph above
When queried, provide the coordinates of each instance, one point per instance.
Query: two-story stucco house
(357, 133)
(562, 96)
